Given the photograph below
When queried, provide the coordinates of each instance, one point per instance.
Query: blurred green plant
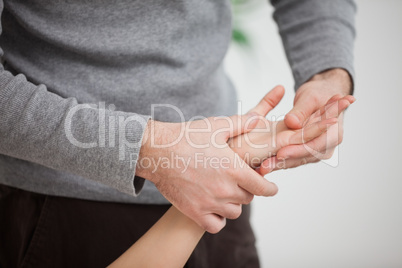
(239, 36)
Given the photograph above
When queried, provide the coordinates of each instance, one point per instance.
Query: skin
(329, 85)
(269, 137)
(174, 226)
(210, 194)
(163, 238)
(206, 194)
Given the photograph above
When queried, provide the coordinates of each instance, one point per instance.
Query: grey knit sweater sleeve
(79, 78)
(45, 128)
(317, 35)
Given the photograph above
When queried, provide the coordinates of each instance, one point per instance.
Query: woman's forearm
(168, 243)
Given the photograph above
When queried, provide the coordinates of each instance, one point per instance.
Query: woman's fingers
(350, 98)
(318, 147)
(317, 114)
(237, 124)
(311, 131)
(273, 163)
(336, 106)
(333, 108)
(270, 100)
(316, 141)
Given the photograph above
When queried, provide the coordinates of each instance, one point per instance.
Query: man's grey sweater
(122, 57)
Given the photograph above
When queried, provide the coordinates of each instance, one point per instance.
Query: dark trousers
(46, 231)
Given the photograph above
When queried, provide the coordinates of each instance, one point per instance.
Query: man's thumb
(300, 113)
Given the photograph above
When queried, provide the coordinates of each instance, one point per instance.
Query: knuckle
(213, 227)
(340, 139)
(328, 155)
(223, 192)
(205, 225)
(237, 212)
(332, 144)
(248, 199)
(233, 213)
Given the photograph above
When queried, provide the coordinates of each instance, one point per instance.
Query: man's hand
(192, 165)
(268, 137)
(326, 87)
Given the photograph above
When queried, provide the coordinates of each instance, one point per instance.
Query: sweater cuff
(318, 67)
(129, 182)
(317, 35)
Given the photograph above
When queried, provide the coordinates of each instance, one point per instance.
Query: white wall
(349, 215)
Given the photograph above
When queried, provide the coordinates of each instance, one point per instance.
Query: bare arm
(175, 236)
(168, 243)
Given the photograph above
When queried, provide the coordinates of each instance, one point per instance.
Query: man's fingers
(230, 211)
(350, 98)
(242, 197)
(336, 105)
(305, 107)
(255, 184)
(334, 98)
(267, 166)
(270, 100)
(312, 131)
(317, 115)
(302, 110)
(334, 109)
(212, 223)
(273, 164)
